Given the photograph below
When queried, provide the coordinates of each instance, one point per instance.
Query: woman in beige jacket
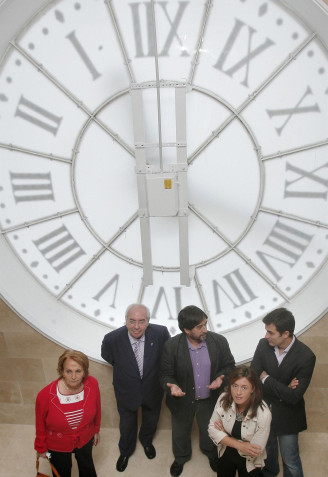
(240, 425)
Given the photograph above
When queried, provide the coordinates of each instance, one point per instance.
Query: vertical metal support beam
(158, 88)
(180, 124)
(184, 251)
(180, 114)
(146, 251)
(139, 139)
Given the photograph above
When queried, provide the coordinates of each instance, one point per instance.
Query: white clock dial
(255, 75)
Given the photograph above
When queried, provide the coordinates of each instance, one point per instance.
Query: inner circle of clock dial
(223, 183)
(254, 79)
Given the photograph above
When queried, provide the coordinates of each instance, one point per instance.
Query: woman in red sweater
(68, 415)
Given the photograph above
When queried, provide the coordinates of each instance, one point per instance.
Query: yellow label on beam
(168, 183)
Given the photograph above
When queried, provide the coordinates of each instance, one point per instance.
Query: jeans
(289, 450)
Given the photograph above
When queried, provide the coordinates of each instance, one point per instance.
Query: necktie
(137, 352)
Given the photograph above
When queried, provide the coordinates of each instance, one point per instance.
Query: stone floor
(17, 456)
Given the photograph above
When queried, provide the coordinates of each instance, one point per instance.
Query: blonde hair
(77, 356)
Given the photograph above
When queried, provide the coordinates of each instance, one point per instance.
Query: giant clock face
(178, 133)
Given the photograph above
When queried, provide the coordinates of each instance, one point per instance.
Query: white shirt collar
(134, 340)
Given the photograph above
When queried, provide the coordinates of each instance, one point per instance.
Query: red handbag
(39, 474)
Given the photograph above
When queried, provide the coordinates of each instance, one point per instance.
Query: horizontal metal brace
(162, 84)
(168, 168)
(150, 145)
(145, 145)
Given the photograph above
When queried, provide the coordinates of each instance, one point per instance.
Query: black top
(236, 430)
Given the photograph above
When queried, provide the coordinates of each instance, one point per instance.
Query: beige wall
(28, 362)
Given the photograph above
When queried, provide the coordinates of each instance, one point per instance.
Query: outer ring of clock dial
(42, 310)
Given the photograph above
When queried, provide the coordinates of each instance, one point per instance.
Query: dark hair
(77, 356)
(190, 316)
(283, 320)
(239, 372)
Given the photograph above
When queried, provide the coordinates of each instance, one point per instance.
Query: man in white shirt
(285, 367)
(134, 351)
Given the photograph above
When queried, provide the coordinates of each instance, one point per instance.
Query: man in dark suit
(134, 351)
(194, 366)
(285, 367)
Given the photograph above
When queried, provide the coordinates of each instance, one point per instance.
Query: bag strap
(52, 467)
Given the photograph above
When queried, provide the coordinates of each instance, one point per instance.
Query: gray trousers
(181, 431)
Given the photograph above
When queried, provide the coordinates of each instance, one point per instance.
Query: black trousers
(232, 461)
(63, 461)
(182, 423)
(129, 427)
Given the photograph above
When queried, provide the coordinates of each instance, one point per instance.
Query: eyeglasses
(243, 389)
(140, 323)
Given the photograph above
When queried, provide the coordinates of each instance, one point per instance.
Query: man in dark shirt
(193, 369)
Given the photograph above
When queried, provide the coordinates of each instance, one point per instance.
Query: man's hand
(175, 390)
(216, 384)
(263, 374)
(294, 383)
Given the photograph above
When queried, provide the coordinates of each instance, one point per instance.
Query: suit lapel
(285, 368)
(186, 354)
(148, 349)
(271, 362)
(291, 356)
(211, 347)
(128, 351)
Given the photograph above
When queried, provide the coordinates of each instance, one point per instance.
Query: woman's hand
(219, 425)
(96, 439)
(41, 454)
(249, 449)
